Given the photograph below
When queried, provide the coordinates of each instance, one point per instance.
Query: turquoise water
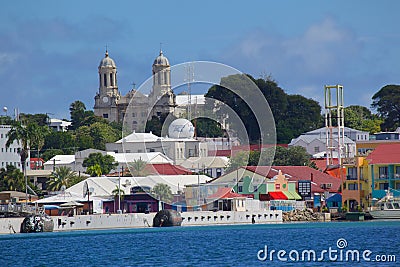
(236, 245)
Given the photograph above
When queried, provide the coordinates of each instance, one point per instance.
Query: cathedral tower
(107, 98)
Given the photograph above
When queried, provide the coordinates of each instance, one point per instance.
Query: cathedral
(135, 108)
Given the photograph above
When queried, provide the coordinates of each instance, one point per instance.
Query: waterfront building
(356, 186)
(384, 170)
(102, 197)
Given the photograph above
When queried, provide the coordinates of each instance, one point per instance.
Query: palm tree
(116, 193)
(21, 135)
(137, 167)
(61, 176)
(12, 179)
(162, 192)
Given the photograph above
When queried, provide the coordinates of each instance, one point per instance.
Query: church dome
(161, 60)
(107, 62)
(181, 128)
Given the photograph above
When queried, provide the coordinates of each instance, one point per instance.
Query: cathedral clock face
(105, 99)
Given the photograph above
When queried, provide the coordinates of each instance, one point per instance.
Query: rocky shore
(306, 215)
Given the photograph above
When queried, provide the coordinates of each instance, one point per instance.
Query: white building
(212, 166)
(353, 134)
(316, 144)
(179, 145)
(59, 125)
(10, 155)
(75, 162)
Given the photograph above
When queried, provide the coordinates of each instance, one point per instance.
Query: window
(1, 135)
(361, 172)
(105, 116)
(398, 170)
(353, 186)
(383, 172)
(133, 114)
(152, 150)
(277, 186)
(351, 173)
(105, 79)
(316, 149)
(383, 186)
(240, 188)
(111, 79)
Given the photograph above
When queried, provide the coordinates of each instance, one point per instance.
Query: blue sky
(50, 50)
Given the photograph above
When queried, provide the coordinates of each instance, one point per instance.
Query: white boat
(386, 208)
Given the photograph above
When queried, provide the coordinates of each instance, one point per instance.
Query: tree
(106, 162)
(38, 119)
(22, 135)
(94, 170)
(38, 136)
(11, 179)
(293, 114)
(137, 168)
(162, 192)
(240, 159)
(62, 176)
(387, 103)
(63, 141)
(77, 112)
(278, 156)
(206, 127)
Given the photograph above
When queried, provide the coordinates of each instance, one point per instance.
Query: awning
(51, 207)
(292, 195)
(277, 195)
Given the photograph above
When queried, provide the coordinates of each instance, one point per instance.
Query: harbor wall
(140, 220)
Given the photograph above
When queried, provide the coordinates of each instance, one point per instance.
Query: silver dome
(161, 60)
(107, 62)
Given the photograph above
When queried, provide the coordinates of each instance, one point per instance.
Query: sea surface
(234, 245)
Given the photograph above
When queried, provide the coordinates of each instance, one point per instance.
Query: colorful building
(384, 170)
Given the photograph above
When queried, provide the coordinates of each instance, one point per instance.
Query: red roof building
(385, 154)
(166, 169)
(320, 182)
(225, 193)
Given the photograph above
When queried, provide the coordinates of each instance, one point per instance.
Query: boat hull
(385, 214)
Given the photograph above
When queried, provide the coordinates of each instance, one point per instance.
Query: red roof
(166, 169)
(224, 192)
(296, 173)
(385, 154)
(277, 195)
(321, 163)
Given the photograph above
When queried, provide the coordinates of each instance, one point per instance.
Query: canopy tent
(277, 195)
(71, 204)
(292, 195)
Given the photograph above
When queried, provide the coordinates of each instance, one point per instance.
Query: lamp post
(119, 191)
